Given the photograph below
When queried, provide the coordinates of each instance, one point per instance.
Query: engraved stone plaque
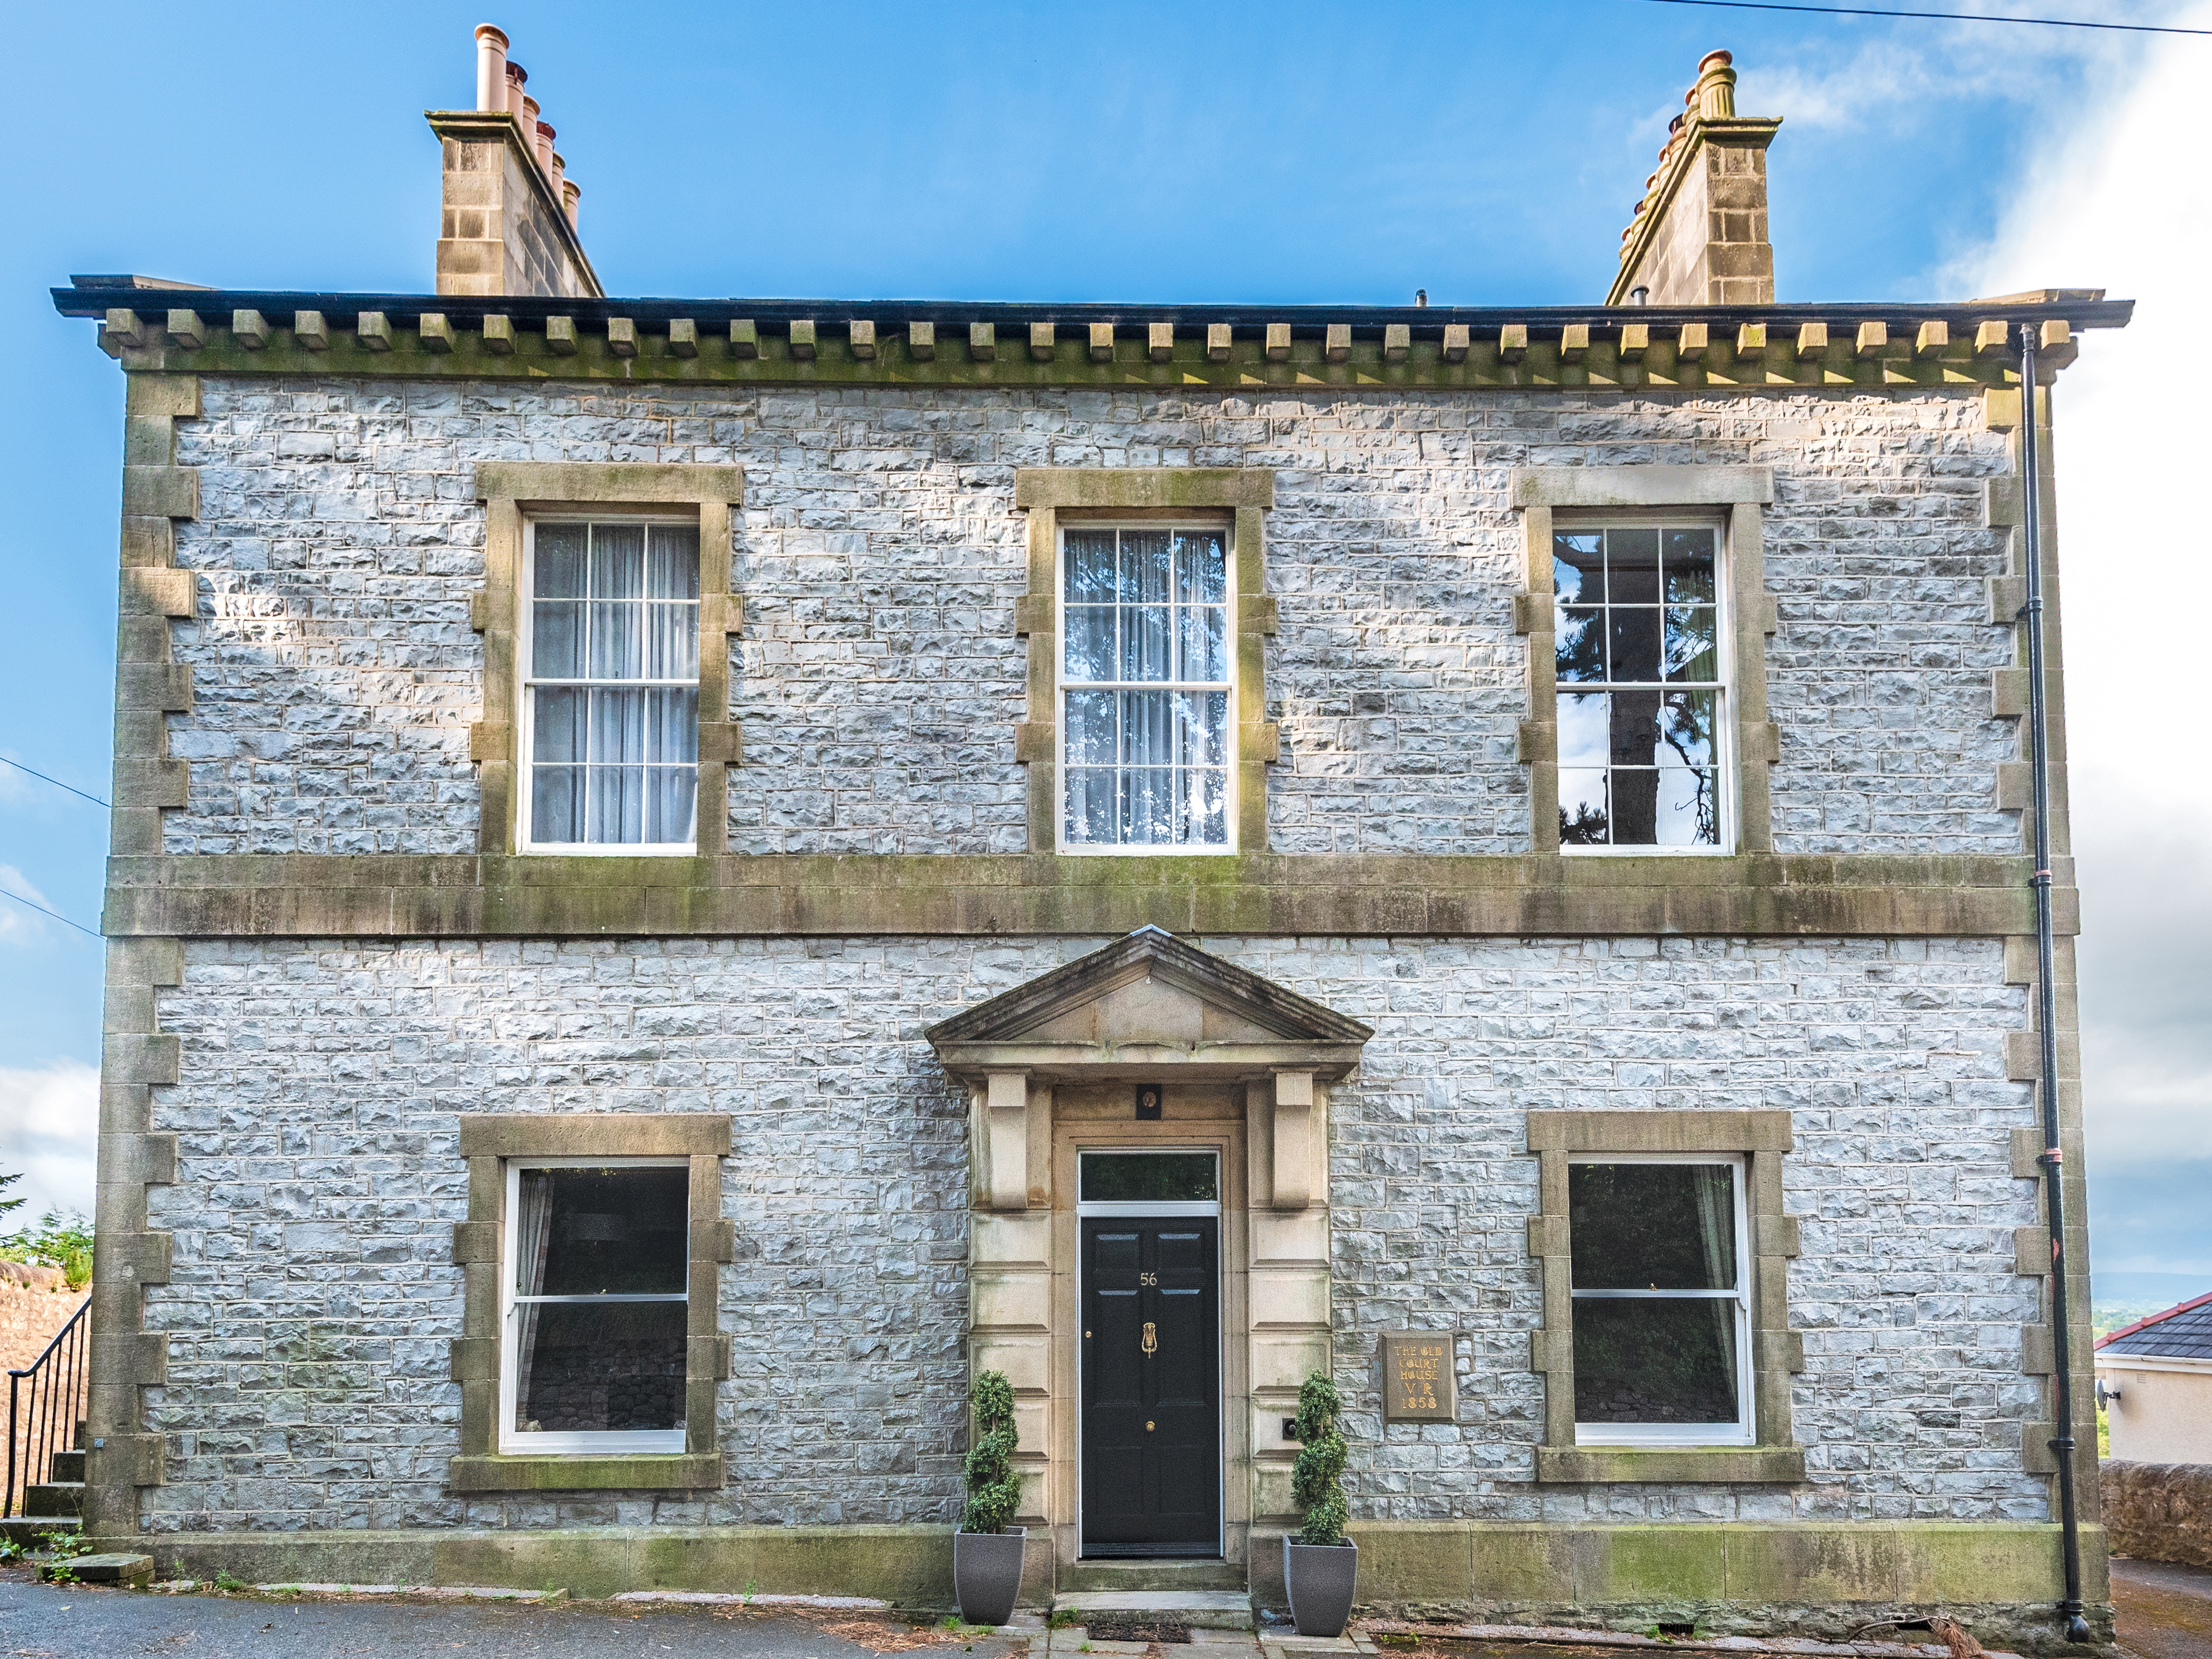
(1417, 1378)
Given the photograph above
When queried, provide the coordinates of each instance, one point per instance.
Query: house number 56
(1148, 1279)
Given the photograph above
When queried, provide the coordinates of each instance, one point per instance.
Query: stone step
(1199, 1609)
(55, 1498)
(68, 1466)
(121, 1568)
(28, 1531)
(1157, 1574)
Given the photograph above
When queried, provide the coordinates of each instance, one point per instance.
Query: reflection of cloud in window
(1686, 808)
(1584, 729)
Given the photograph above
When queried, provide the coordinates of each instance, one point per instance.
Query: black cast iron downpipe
(2053, 1158)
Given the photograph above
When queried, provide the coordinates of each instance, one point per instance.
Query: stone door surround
(1052, 1067)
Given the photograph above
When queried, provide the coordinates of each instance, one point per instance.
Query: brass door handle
(1152, 1342)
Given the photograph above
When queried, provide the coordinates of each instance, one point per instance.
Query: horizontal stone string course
(246, 895)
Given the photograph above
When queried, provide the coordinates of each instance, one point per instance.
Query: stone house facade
(838, 817)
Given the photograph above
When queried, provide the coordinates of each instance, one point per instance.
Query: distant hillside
(2117, 1299)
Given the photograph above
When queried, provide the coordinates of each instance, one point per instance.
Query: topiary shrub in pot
(986, 1552)
(1321, 1565)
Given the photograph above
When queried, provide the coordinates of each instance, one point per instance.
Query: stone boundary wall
(29, 1316)
(2159, 1512)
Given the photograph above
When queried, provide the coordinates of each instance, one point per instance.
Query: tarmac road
(2163, 1611)
(48, 1621)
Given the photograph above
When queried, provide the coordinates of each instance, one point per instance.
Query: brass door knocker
(1152, 1342)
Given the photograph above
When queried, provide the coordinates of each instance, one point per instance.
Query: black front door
(1152, 1387)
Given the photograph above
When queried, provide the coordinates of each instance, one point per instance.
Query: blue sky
(1488, 153)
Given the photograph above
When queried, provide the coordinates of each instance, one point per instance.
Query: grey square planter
(986, 1573)
(1320, 1578)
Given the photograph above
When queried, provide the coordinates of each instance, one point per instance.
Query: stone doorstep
(1199, 1609)
(434, 1592)
(1617, 1638)
(730, 1598)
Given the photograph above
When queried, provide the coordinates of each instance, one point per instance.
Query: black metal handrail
(45, 1399)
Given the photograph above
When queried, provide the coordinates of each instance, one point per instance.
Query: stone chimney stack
(1699, 233)
(509, 223)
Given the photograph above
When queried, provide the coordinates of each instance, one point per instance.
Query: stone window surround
(1054, 495)
(515, 491)
(1762, 1138)
(489, 1140)
(1734, 494)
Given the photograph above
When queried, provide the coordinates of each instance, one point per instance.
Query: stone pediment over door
(1246, 1068)
(1149, 1005)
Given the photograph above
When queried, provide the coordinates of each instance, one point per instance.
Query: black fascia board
(1306, 321)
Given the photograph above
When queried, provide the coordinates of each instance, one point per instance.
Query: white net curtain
(614, 673)
(1145, 679)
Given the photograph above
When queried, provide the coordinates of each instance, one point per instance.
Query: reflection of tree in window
(599, 1322)
(1149, 1177)
(1658, 1309)
(1635, 624)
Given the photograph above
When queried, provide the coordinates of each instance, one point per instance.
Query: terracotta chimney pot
(544, 148)
(570, 190)
(516, 76)
(491, 67)
(1714, 95)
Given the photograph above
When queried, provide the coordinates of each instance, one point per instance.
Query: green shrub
(995, 1491)
(59, 1241)
(1317, 1478)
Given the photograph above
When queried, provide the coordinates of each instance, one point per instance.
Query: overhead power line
(56, 914)
(57, 782)
(1939, 16)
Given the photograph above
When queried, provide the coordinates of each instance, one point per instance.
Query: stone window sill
(1567, 1465)
(676, 1471)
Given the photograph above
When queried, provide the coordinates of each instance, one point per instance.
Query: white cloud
(2120, 203)
(49, 1131)
(1918, 72)
(17, 925)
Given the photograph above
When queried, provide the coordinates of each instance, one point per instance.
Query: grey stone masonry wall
(313, 1292)
(879, 677)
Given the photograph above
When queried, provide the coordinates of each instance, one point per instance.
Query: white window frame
(1743, 1432)
(1565, 522)
(609, 1443)
(526, 701)
(1061, 687)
